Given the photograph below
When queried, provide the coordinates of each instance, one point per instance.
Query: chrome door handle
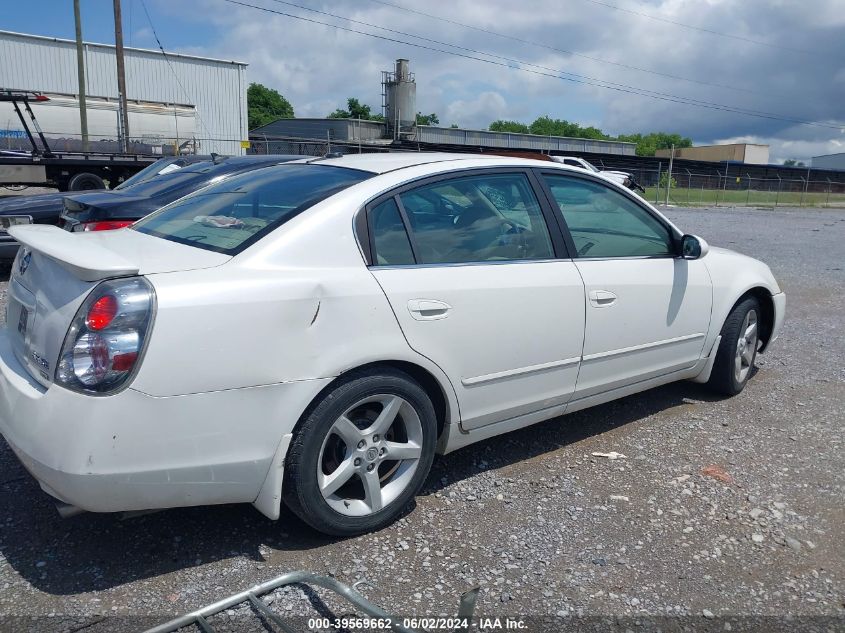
(602, 298)
(428, 309)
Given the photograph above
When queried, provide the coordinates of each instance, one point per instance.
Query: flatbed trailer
(67, 171)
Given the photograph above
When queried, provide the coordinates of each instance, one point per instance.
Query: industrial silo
(400, 99)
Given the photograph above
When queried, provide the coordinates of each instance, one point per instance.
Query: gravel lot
(544, 527)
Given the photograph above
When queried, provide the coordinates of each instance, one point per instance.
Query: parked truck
(41, 142)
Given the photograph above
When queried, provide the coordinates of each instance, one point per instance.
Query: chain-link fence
(724, 185)
(734, 187)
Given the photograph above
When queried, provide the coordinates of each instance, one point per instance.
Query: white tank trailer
(155, 128)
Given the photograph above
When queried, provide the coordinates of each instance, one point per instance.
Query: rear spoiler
(86, 259)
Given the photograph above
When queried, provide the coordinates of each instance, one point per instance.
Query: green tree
(427, 119)
(547, 126)
(508, 126)
(265, 105)
(791, 162)
(356, 110)
(648, 144)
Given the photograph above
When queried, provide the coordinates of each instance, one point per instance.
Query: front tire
(737, 351)
(361, 454)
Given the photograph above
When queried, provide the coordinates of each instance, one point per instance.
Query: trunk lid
(55, 270)
(100, 205)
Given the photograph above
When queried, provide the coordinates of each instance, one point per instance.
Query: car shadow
(95, 552)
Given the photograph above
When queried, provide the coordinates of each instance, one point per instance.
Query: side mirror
(693, 247)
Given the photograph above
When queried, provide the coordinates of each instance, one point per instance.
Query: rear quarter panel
(298, 305)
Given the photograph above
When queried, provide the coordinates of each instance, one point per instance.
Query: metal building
(352, 135)
(214, 88)
(746, 153)
(829, 161)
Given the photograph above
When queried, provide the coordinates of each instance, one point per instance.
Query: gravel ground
(721, 512)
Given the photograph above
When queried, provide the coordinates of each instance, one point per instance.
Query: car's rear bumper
(132, 451)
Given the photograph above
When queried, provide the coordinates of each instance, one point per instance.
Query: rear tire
(339, 475)
(85, 182)
(737, 351)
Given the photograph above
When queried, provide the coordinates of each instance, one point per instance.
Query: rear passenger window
(486, 218)
(390, 241)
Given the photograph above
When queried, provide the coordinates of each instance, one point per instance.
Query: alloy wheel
(370, 454)
(746, 346)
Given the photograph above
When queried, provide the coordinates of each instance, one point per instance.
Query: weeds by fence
(735, 188)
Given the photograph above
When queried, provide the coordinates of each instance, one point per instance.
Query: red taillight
(124, 362)
(101, 313)
(107, 225)
(106, 339)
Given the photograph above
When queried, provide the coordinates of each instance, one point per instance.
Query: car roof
(392, 161)
(230, 163)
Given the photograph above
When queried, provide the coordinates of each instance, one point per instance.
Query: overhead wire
(565, 51)
(170, 65)
(547, 72)
(702, 29)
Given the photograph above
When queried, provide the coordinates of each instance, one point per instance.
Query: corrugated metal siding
(829, 161)
(321, 129)
(216, 88)
(352, 130)
(457, 136)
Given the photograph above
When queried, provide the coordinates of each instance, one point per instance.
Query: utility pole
(669, 179)
(121, 77)
(80, 74)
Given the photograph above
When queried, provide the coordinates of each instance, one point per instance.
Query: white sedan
(311, 333)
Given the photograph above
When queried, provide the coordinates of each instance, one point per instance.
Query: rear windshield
(231, 215)
(158, 168)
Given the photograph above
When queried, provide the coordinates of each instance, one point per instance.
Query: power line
(169, 65)
(567, 52)
(572, 78)
(592, 80)
(702, 29)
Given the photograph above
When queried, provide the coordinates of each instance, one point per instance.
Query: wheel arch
(767, 308)
(433, 387)
(445, 409)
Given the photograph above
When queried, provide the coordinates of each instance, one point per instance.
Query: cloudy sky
(783, 59)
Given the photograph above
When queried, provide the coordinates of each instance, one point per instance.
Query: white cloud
(317, 67)
(488, 106)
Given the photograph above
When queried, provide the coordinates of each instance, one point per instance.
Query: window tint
(493, 217)
(390, 241)
(229, 216)
(605, 223)
(158, 168)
